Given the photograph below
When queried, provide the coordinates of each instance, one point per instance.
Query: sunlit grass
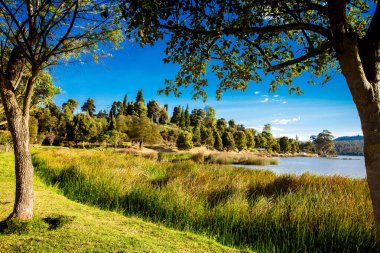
(61, 225)
(236, 206)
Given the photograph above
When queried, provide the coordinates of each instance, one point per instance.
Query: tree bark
(360, 63)
(18, 124)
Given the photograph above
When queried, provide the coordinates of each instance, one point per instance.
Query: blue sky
(132, 68)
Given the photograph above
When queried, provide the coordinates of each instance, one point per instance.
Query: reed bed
(239, 158)
(238, 207)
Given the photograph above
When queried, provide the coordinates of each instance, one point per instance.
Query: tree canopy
(243, 41)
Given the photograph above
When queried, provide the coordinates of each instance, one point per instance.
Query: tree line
(149, 123)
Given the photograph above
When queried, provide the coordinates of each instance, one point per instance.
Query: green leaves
(241, 41)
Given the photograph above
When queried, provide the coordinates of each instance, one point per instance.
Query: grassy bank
(238, 207)
(217, 158)
(62, 225)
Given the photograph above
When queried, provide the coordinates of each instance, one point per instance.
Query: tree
(267, 128)
(197, 117)
(71, 104)
(232, 125)
(85, 127)
(123, 109)
(221, 125)
(228, 141)
(89, 106)
(153, 110)
(142, 130)
(240, 140)
(35, 35)
(163, 119)
(140, 97)
(186, 117)
(176, 117)
(324, 143)
(243, 39)
(210, 119)
(184, 140)
(139, 108)
(250, 134)
(285, 144)
(218, 143)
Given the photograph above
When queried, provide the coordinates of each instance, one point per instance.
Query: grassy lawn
(89, 229)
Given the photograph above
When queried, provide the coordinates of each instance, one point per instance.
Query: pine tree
(176, 117)
(89, 106)
(218, 143)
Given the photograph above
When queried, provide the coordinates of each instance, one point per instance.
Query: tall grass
(239, 207)
(239, 158)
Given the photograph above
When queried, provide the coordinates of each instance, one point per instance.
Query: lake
(351, 166)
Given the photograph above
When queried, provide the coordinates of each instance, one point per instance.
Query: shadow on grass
(36, 225)
(279, 187)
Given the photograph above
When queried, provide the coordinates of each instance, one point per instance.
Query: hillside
(349, 145)
(350, 138)
(88, 229)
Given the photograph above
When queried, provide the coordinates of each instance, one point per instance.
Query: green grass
(217, 158)
(239, 207)
(62, 225)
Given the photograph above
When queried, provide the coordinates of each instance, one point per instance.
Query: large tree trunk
(18, 125)
(365, 91)
(360, 63)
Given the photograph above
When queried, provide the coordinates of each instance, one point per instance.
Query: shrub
(198, 158)
(184, 141)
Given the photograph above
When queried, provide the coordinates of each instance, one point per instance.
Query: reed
(236, 206)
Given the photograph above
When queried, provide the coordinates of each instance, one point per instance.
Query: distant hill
(350, 138)
(349, 145)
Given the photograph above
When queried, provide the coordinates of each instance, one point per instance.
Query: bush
(184, 141)
(48, 140)
(198, 158)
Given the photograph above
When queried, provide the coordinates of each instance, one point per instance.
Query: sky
(132, 68)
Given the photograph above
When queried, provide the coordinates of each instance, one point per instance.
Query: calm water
(351, 166)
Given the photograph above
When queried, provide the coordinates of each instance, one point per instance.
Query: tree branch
(251, 30)
(306, 56)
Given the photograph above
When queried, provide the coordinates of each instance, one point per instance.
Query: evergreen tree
(123, 109)
(140, 97)
(228, 141)
(197, 135)
(176, 117)
(72, 104)
(163, 119)
(250, 134)
(240, 140)
(197, 117)
(221, 125)
(89, 106)
(218, 143)
(153, 111)
(187, 117)
(113, 110)
(131, 109)
(232, 125)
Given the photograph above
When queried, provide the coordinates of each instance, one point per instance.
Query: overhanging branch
(300, 59)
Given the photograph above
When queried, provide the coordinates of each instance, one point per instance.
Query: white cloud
(296, 119)
(286, 121)
(275, 96)
(277, 129)
(264, 96)
(265, 100)
(284, 102)
(257, 92)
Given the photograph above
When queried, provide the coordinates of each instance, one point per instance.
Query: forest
(139, 123)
